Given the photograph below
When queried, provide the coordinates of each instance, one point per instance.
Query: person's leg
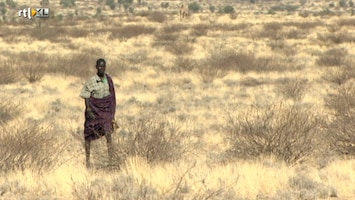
(87, 153)
(108, 136)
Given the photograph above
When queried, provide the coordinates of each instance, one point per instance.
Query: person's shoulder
(92, 79)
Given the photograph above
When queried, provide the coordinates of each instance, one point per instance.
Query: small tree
(11, 3)
(67, 3)
(342, 3)
(194, 7)
(44, 2)
(212, 9)
(111, 4)
(164, 5)
(228, 9)
(3, 11)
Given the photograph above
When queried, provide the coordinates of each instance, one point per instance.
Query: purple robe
(104, 110)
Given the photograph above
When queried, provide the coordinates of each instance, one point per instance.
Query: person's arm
(88, 109)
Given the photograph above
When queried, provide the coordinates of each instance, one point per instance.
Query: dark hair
(100, 60)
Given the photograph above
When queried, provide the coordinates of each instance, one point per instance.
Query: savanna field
(240, 100)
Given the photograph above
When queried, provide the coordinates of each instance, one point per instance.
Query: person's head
(101, 67)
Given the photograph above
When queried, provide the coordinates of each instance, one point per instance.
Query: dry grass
(30, 145)
(288, 132)
(174, 133)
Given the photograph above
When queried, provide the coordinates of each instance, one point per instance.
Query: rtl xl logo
(34, 12)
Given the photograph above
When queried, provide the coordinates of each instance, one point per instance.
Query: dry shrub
(346, 22)
(272, 30)
(200, 29)
(154, 139)
(184, 64)
(9, 109)
(179, 47)
(9, 73)
(302, 187)
(157, 16)
(336, 37)
(342, 128)
(33, 65)
(226, 60)
(174, 28)
(303, 25)
(288, 132)
(78, 64)
(209, 73)
(293, 88)
(53, 34)
(332, 57)
(132, 30)
(169, 33)
(340, 74)
(30, 145)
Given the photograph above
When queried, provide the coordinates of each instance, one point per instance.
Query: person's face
(101, 67)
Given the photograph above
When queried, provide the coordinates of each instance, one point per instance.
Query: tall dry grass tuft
(340, 74)
(341, 129)
(288, 132)
(184, 64)
(294, 89)
(30, 145)
(10, 73)
(9, 109)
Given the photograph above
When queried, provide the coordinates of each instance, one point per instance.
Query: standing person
(100, 108)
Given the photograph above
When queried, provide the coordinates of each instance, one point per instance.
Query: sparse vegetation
(30, 145)
(332, 57)
(293, 88)
(288, 132)
(175, 79)
(154, 139)
(342, 127)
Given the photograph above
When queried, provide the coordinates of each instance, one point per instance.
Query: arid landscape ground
(257, 102)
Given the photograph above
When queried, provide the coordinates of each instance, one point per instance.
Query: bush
(287, 132)
(77, 64)
(111, 4)
(157, 16)
(67, 3)
(229, 60)
(194, 7)
(340, 74)
(332, 57)
(212, 9)
(336, 38)
(11, 3)
(294, 88)
(228, 9)
(151, 138)
(179, 47)
(342, 128)
(9, 109)
(11, 72)
(33, 65)
(30, 145)
(184, 64)
(129, 31)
